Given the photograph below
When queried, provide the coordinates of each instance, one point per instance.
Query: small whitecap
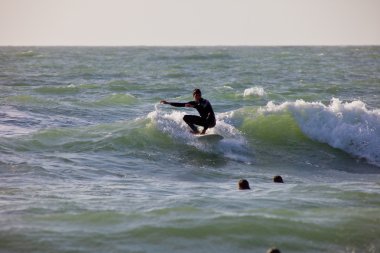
(254, 91)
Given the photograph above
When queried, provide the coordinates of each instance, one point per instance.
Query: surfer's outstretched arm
(176, 104)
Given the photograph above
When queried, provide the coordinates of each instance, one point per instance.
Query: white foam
(170, 123)
(349, 126)
(254, 91)
(233, 146)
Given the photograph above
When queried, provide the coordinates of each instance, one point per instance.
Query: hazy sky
(189, 22)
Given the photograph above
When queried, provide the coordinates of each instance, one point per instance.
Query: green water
(91, 162)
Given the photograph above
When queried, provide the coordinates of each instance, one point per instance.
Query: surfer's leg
(207, 124)
(193, 120)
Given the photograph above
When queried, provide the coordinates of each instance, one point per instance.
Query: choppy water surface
(91, 162)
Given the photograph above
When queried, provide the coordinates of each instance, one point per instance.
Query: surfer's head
(273, 250)
(243, 184)
(277, 179)
(197, 94)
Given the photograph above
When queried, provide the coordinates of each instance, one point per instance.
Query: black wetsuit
(207, 118)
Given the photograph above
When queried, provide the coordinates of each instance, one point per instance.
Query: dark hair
(277, 179)
(273, 250)
(197, 91)
(244, 185)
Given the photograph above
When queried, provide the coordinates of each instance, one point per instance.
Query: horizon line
(195, 45)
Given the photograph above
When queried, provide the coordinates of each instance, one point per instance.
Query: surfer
(278, 179)
(243, 184)
(203, 106)
(273, 250)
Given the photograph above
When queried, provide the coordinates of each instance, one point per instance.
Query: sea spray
(349, 126)
(234, 146)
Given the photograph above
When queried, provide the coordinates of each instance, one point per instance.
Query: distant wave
(29, 53)
(254, 91)
(194, 55)
(69, 89)
(117, 99)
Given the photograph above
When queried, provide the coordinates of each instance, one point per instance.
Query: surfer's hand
(188, 105)
(163, 102)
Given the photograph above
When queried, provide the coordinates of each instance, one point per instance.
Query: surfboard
(209, 137)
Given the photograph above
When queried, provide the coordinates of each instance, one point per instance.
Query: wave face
(90, 161)
(349, 126)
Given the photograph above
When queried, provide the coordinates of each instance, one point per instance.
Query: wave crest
(254, 91)
(349, 126)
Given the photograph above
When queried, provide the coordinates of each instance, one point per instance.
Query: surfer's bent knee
(186, 118)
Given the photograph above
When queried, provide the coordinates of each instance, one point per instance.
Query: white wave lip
(254, 91)
(349, 126)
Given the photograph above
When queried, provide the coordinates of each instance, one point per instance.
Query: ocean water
(91, 162)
